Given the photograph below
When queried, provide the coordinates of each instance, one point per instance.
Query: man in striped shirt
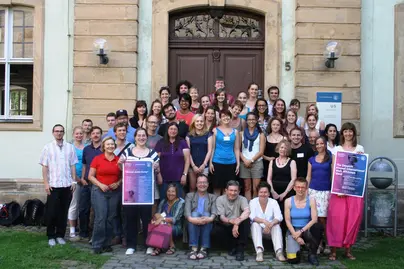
(58, 159)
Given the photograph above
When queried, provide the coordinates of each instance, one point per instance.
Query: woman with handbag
(169, 212)
(135, 213)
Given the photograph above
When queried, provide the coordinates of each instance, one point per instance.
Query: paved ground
(216, 259)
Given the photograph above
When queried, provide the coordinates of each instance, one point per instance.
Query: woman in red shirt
(106, 177)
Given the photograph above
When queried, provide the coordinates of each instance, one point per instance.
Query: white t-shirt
(358, 148)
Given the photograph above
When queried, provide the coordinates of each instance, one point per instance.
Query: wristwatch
(184, 174)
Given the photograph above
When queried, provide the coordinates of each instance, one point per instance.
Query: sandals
(350, 256)
(156, 252)
(193, 255)
(170, 251)
(333, 256)
(202, 254)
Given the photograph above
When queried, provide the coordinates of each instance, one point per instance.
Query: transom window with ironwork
(16, 62)
(219, 24)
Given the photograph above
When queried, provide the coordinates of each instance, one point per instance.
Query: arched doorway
(211, 42)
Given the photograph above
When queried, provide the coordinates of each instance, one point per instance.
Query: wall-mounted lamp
(100, 49)
(332, 52)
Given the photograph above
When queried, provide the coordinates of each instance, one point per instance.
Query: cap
(121, 112)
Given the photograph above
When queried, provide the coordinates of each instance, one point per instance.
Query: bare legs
(248, 188)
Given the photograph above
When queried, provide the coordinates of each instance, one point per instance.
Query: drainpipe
(69, 90)
(288, 51)
(144, 90)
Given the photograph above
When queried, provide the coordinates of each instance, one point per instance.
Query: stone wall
(317, 23)
(99, 89)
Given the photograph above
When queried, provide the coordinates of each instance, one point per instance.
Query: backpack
(33, 212)
(10, 214)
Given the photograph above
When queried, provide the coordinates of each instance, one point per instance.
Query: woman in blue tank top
(225, 162)
(301, 220)
(319, 178)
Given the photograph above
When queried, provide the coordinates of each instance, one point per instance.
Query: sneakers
(327, 250)
(280, 257)
(97, 250)
(60, 241)
(149, 251)
(52, 242)
(313, 260)
(74, 238)
(240, 256)
(260, 257)
(107, 249)
(130, 251)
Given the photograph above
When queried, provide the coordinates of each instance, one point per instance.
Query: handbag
(158, 236)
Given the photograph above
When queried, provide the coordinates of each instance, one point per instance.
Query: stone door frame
(160, 30)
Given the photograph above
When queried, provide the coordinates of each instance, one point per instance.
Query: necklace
(281, 162)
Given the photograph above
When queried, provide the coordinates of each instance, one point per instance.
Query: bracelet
(301, 230)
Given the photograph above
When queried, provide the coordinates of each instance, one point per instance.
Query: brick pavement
(216, 259)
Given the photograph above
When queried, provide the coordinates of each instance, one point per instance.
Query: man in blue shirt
(122, 116)
(89, 153)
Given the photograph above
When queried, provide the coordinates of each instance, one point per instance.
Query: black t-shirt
(182, 129)
(301, 156)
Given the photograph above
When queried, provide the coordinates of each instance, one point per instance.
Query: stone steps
(20, 190)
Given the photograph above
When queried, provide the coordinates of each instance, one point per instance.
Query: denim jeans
(105, 205)
(199, 233)
(84, 210)
(117, 224)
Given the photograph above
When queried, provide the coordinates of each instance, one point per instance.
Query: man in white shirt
(58, 159)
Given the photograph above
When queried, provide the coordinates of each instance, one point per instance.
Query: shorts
(205, 171)
(322, 200)
(256, 171)
(223, 173)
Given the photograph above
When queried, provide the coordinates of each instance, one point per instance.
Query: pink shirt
(187, 118)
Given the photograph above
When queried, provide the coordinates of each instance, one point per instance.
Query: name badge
(300, 155)
(226, 138)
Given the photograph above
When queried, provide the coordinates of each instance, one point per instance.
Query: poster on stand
(330, 107)
(138, 182)
(349, 174)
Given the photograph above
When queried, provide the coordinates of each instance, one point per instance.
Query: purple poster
(138, 182)
(349, 173)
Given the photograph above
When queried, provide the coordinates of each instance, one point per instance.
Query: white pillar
(144, 89)
(287, 81)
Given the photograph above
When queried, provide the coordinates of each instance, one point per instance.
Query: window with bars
(16, 62)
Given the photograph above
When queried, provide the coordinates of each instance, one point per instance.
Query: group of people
(206, 151)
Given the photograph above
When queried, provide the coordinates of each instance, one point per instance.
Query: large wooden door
(209, 43)
(202, 66)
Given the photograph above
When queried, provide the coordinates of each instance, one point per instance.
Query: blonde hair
(192, 129)
(104, 141)
(287, 145)
(308, 107)
(77, 127)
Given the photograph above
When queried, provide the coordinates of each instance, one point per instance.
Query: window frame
(34, 121)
